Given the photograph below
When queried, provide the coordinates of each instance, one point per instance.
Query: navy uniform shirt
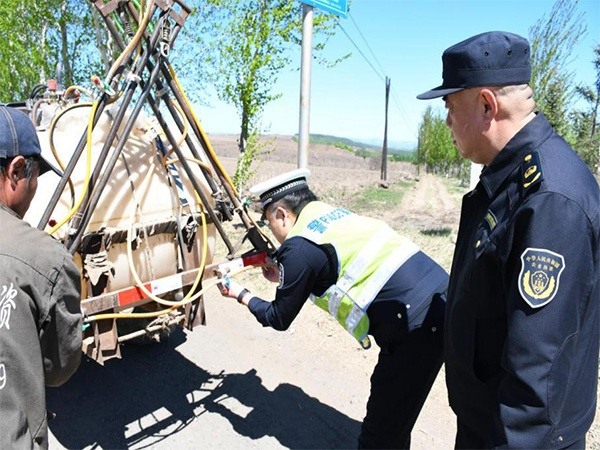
(306, 268)
(521, 334)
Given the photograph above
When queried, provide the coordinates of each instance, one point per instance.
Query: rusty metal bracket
(103, 344)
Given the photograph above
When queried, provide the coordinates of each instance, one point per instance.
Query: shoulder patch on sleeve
(540, 276)
(281, 275)
(531, 171)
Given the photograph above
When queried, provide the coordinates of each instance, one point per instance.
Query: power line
(381, 74)
(401, 111)
(365, 41)
(360, 51)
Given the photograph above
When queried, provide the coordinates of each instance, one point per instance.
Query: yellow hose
(88, 168)
(185, 123)
(51, 128)
(78, 88)
(168, 310)
(188, 158)
(197, 122)
(140, 284)
(132, 44)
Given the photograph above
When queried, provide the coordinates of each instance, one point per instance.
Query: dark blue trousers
(401, 382)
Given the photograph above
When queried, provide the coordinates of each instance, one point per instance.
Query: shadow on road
(154, 392)
(287, 413)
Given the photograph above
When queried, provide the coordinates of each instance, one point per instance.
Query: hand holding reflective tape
(229, 288)
(224, 285)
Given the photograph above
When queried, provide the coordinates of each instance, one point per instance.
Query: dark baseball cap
(18, 137)
(496, 58)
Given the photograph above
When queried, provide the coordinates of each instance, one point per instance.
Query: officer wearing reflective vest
(372, 280)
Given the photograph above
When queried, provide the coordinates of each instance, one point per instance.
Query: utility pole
(304, 127)
(339, 7)
(384, 152)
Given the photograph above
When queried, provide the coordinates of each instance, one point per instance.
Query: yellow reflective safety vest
(369, 252)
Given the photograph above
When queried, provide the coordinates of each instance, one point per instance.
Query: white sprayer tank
(139, 192)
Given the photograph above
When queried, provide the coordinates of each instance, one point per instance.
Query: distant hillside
(359, 148)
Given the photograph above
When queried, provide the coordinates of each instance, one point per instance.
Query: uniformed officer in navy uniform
(521, 335)
(373, 281)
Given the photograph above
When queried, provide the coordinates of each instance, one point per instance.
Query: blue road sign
(339, 7)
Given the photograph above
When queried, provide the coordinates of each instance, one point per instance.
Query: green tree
(83, 42)
(243, 47)
(436, 150)
(23, 35)
(585, 122)
(426, 137)
(36, 36)
(552, 42)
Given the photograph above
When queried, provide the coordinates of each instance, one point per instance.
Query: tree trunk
(67, 79)
(243, 132)
(101, 43)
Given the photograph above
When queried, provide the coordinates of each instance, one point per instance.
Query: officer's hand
(229, 288)
(234, 289)
(271, 273)
(224, 285)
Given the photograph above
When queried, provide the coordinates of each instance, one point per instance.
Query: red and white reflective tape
(174, 282)
(237, 264)
(155, 287)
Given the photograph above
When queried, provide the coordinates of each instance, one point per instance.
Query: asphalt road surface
(232, 384)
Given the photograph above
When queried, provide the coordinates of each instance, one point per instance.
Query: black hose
(36, 88)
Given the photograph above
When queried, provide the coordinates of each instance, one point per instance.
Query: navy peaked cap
(496, 58)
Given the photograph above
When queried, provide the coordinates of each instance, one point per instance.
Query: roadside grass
(372, 198)
(455, 186)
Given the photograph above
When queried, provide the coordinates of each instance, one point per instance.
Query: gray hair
(518, 97)
(515, 89)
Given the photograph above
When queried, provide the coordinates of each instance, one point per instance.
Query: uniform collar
(513, 154)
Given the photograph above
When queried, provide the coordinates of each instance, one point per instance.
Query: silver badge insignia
(280, 275)
(540, 275)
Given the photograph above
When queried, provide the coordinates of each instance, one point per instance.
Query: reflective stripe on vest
(369, 252)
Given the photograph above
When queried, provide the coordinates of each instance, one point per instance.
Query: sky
(402, 40)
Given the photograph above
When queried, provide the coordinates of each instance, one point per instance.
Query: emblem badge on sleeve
(540, 275)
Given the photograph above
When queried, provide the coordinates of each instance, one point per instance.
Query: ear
(489, 103)
(280, 213)
(289, 219)
(16, 169)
